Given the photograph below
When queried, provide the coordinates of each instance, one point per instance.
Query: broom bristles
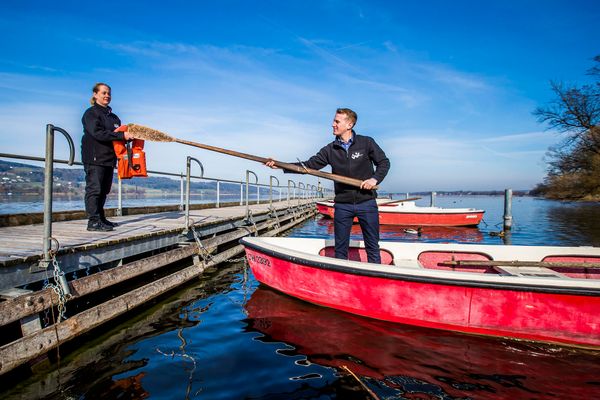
(145, 133)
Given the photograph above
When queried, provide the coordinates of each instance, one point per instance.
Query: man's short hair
(348, 113)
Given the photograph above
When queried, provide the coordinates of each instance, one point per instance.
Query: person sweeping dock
(98, 155)
(359, 157)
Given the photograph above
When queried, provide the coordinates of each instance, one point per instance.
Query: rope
(371, 393)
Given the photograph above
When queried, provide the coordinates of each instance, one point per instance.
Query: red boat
(399, 357)
(539, 293)
(408, 213)
(460, 234)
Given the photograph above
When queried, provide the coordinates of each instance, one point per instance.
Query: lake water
(35, 204)
(226, 337)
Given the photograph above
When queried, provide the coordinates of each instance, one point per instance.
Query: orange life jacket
(131, 158)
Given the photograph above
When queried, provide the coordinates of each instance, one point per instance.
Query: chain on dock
(273, 214)
(205, 254)
(60, 286)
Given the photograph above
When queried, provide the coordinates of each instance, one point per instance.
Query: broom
(145, 133)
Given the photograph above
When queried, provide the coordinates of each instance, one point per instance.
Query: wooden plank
(12, 310)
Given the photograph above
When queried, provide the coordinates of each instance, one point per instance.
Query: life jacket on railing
(131, 158)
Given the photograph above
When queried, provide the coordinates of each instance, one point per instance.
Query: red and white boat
(401, 212)
(539, 293)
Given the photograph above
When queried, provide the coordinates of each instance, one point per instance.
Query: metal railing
(188, 167)
(48, 184)
(49, 160)
(278, 189)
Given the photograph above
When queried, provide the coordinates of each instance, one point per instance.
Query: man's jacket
(363, 160)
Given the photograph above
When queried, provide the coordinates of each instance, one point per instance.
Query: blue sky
(446, 88)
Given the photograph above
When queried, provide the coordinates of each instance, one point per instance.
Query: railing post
(303, 188)
(271, 189)
(181, 180)
(288, 192)
(248, 172)
(218, 194)
(241, 193)
(119, 211)
(188, 167)
(432, 202)
(48, 175)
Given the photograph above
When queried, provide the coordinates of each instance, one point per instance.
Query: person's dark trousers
(368, 218)
(98, 181)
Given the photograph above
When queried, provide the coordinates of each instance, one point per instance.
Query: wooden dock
(78, 249)
(144, 257)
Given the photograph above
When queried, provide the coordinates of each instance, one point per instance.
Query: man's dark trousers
(98, 181)
(368, 218)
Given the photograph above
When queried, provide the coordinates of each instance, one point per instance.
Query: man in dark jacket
(358, 157)
(98, 155)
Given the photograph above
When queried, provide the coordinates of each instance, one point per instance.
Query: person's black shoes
(111, 224)
(98, 226)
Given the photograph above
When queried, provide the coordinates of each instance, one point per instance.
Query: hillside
(28, 179)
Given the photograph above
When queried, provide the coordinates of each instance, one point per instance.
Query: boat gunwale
(363, 269)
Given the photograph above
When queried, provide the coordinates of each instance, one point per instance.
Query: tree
(573, 164)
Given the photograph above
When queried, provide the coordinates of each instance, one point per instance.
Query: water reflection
(575, 223)
(399, 360)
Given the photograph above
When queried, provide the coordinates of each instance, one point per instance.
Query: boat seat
(529, 272)
(358, 254)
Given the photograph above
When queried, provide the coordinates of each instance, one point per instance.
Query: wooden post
(507, 209)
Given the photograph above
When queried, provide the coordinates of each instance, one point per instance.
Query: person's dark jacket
(99, 124)
(357, 163)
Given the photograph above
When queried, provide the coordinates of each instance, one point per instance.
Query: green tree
(573, 164)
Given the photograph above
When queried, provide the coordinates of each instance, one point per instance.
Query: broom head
(145, 133)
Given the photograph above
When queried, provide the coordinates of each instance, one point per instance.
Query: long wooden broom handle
(397, 201)
(287, 166)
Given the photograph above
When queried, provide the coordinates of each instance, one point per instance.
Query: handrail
(303, 187)
(271, 188)
(179, 176)
(188, 167)
(288, 192)
(248, 172)
(152, 172)
(48, 172)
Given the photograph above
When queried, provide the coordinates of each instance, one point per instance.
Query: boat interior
(558, 266)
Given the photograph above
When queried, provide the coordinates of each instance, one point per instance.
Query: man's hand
(271, 163)
(369, 184)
